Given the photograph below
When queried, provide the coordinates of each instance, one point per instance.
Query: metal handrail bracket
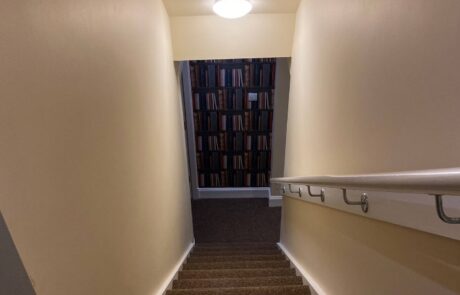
(442, 214)
(295, 192)
(364, 203)
(320, 195)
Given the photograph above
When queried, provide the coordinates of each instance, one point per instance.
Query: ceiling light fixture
(232, 8)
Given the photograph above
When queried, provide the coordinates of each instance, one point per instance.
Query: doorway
(235, 128)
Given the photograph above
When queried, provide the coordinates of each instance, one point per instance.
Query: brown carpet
(237, 269)
(235, 220)
(236, 252)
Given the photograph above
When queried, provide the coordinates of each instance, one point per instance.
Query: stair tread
(226, 247)
(237, 282)
(239, 244)
(238, 264)
(249, 257)
(235, 252)
(260, 290)
(230, 250)
(237, 269)
(235, 273)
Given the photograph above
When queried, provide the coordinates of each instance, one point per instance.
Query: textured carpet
(237, 269)
(235, 220)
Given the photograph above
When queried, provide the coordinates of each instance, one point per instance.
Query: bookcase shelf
(233, 114)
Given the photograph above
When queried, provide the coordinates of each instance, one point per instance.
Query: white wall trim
(314, 286)
(275, 201)
(186, 94)
(233, 193)
(417, 211)
(167, 285)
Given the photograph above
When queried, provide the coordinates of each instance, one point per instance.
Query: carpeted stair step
(263, 290)
(233, 247)
(226, 251)
(238, 282)
(235, 273)
(238, 265)
(237, 269)
(229, 245)
(233, 252)
(229, 258)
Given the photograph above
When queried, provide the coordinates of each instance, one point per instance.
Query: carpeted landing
(235, 221)
(237, 269)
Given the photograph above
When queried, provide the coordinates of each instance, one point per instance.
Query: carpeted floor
(235, 220)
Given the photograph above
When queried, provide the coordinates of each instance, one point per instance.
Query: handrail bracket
(320, 195)
(364, 203)
(442, 214)
(283, 190)
(299, 191)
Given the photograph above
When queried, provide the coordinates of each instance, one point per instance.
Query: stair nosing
(247, 271)
(239, 288)
(282, 281)
(276, 257)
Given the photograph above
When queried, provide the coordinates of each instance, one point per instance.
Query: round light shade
(232, 8)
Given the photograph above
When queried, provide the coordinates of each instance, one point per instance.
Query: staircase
(237, 269)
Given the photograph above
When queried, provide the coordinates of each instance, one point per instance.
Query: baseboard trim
(167, 285)
(233, 193)
(314, 286)
(275, 201)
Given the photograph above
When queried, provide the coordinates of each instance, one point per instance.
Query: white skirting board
(233, 193)
(167, 285)
(275, 201)
(315, 288)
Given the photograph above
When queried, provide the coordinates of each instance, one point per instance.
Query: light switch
(252, 96)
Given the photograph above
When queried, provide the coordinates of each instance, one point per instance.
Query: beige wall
(348, 254)
(213, 37)
(93, 183)
(374, 87)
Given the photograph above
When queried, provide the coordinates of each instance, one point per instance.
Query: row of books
(229, 99)
(262, 75)
(207, 101)
(231, 78)
(213, 179)
(263, 179)
(211, 143)
(247, 161)
(238, 179)
(249, 121)
(213, 161)
(262, 142)
(250, 75)
(238, 142)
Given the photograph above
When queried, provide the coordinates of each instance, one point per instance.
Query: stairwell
(236, 252)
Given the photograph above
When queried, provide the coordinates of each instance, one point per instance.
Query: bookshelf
(233, 114)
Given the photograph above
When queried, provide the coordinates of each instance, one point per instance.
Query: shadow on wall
(13, 277)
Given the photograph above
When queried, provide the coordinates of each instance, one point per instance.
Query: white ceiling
(204, 7)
